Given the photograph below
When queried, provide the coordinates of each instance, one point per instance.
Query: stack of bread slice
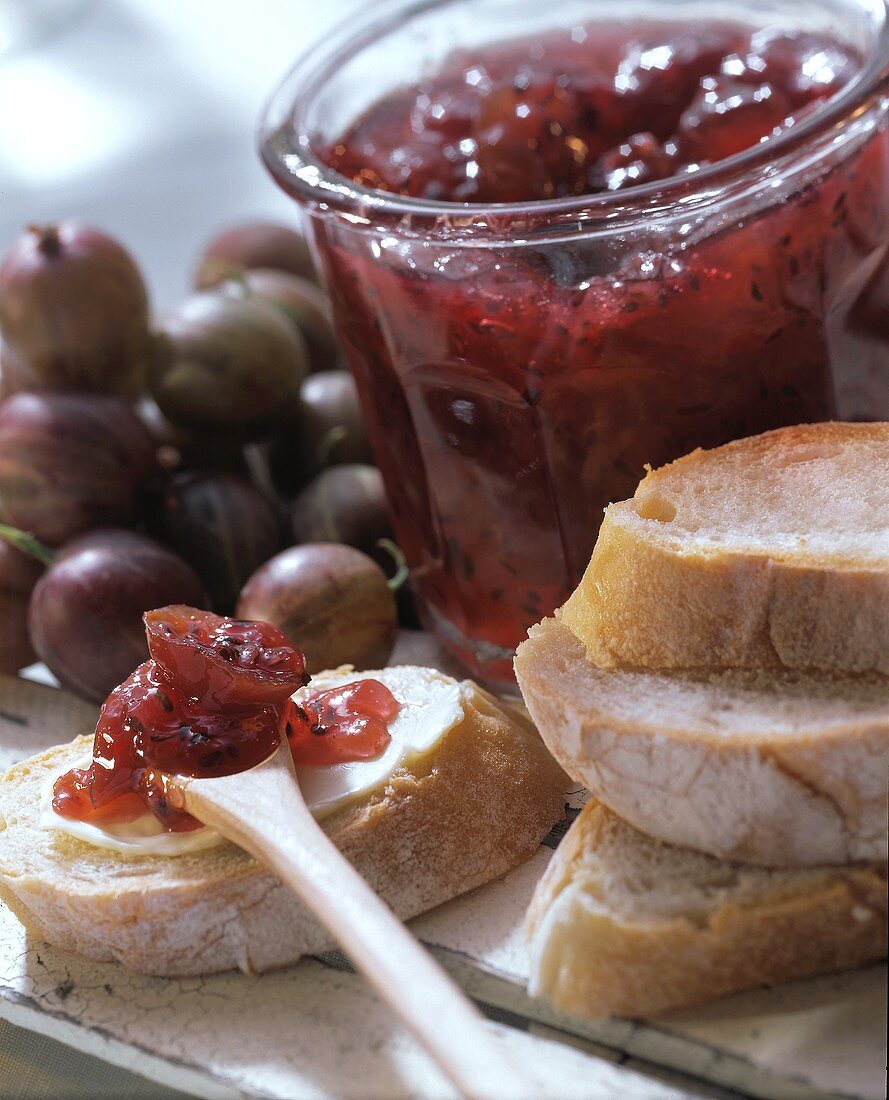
(720, 682)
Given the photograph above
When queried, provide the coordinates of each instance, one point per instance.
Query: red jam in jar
(214, 699)
(600, 110)
(519, 365)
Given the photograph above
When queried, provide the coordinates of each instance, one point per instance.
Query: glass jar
(520, 364)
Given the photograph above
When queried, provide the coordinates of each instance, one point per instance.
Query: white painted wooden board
(315, 1031)
(308, 1032)
(822, 1036)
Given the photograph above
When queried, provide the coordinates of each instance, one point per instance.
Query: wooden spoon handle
(263, 812)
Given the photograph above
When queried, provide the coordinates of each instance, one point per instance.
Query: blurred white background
(139, 116)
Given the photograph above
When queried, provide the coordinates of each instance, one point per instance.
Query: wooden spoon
(263, 811)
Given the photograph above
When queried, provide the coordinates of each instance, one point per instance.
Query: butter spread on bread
(430, 706)
(474, 805)
(144, 836)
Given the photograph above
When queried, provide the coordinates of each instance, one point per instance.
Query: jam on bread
(214, 698)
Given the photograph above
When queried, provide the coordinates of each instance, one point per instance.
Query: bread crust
(478, 804)
(592, 959)
(652, 600)
(776, 801)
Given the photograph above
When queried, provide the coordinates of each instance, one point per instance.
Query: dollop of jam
(215, 698)
(590, 109)
(352, 719)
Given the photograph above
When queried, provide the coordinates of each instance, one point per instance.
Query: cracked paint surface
(305, 1032)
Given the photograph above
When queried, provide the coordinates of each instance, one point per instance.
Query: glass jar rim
(294, 164)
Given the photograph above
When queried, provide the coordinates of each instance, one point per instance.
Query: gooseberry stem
(224, 272)
(401, 570)
(335, 435)
(48, 242)
(25, 541)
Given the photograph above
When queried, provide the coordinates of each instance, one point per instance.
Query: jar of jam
(560, 248)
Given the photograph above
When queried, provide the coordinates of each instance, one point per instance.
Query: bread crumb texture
(623, 924)
(780, 768)
(769, 551)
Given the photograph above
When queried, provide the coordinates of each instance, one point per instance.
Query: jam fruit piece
(72, 797)
(728, 116)
(210, 702)
(342, 724)
(658, 75)
(147, 722)
(640, 159)
(222, 661)
(536, 138)
(805, 67)
(210, 743)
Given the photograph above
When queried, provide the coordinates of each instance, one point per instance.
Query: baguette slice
(772, 550)
(778, 768)
(478, 803)
(622, 924)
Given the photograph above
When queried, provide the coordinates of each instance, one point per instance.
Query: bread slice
(478, 803)
(622, 924)
(772, 550)
(778, 768)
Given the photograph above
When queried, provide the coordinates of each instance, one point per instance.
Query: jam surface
(214, 699)
(595, 109)
(345, 723)
(512, 389)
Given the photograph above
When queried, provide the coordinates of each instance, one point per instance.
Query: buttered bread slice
(464, 793)
(769, 551)
(622, 924)
(775, 767)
